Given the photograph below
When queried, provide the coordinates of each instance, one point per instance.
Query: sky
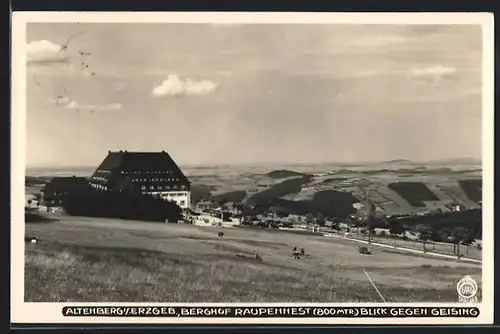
(252, 93)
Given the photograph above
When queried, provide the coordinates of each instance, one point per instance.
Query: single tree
(396, 227)
(309, 219)
(435, 234)
(458, 235)
(444, 234)
(468, 241)
(371, 215)
(273, 211)
(335, 226)
(424, 234)
(320, 219)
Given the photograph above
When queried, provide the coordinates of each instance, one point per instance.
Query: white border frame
(22, 312)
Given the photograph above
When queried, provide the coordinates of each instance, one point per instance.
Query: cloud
(176, 86)
(76, 106)
(43, 58)
(432, 75)
(44, 52)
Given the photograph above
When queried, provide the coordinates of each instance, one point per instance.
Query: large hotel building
(153, 173)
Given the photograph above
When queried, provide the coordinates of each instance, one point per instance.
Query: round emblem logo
(467, 287)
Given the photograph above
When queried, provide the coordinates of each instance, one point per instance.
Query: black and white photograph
(249, 162)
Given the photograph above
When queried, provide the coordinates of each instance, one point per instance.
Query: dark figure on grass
(295, 253)
(221, 234)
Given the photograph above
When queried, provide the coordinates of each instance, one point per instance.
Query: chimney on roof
(120, 151)
(162, 151)
(125, 151)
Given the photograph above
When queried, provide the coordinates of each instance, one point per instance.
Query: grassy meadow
(96, 260)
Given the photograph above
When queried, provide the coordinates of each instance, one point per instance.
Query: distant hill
(397, 161)
(401, 188)
(456, 161)
(279, 190)
(283, 173)
(232, 196)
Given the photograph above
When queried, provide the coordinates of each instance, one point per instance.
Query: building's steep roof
(140, 161)
(112, 161)
(67, 183)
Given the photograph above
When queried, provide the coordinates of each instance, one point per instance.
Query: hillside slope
(425, 189)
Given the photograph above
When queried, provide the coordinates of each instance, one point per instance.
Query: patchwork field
(90, 260)
(393, 189)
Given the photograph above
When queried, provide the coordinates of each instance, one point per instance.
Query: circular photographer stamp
(467, 290)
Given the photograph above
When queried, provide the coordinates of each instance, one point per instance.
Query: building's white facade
(181, 198)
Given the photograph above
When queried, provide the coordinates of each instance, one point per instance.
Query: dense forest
(328, 203)
(232, 196)
(283, 173)
(472, 188)
(415, 193)
(279, 190)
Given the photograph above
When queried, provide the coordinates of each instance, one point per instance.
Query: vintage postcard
(246, 168)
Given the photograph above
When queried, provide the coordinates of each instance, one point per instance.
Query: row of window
(169, 179)
(99, 186)
(163, 187)
(98, 178)
(176, 194)
(58, 193)
(171, 196)
(154, 172)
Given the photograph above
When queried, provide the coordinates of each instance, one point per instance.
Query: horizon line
(284, 163)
